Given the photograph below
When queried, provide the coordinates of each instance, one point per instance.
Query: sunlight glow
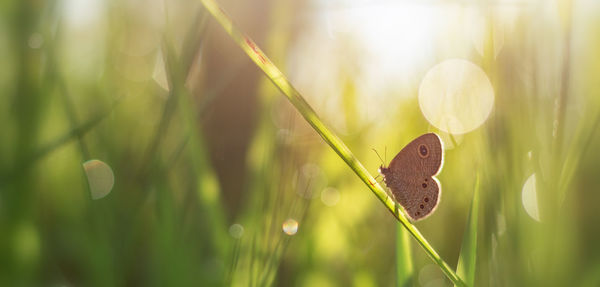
(376, 48)
(100, 178)
(456, 96)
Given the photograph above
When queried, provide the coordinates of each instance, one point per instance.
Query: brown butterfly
(410, 176)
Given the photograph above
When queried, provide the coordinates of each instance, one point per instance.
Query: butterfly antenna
(385, 153)
(382, 162)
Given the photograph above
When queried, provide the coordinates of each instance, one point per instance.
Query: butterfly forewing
(422, 156)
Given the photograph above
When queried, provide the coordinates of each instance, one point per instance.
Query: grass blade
(279, 79)
(404, 265)
(468, 252)
(75, 133)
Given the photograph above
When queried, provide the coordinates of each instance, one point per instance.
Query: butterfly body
(410, 176)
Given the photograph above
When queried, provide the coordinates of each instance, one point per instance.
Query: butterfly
(410, 176)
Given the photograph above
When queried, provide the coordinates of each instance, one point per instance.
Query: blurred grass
(468, 250)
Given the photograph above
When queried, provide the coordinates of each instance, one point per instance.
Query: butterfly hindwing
(423, 200)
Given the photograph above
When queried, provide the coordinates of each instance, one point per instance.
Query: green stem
(404, 266)
(279, 79)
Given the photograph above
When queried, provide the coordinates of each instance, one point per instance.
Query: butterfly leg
(390, 194)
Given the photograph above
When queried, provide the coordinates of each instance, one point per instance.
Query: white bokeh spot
(100, 178)
(456, 96)
(529, 198)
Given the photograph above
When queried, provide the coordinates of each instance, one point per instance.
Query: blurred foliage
(210, 161)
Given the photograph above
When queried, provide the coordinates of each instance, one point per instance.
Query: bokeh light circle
(100, 178)
(35, 41)
(290, 226)
(456, 96)
(236, 230)
(309, 179)
(529, 198)
(330, 196)
(431, 275)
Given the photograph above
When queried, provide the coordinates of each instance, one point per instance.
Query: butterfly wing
(410, 175)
